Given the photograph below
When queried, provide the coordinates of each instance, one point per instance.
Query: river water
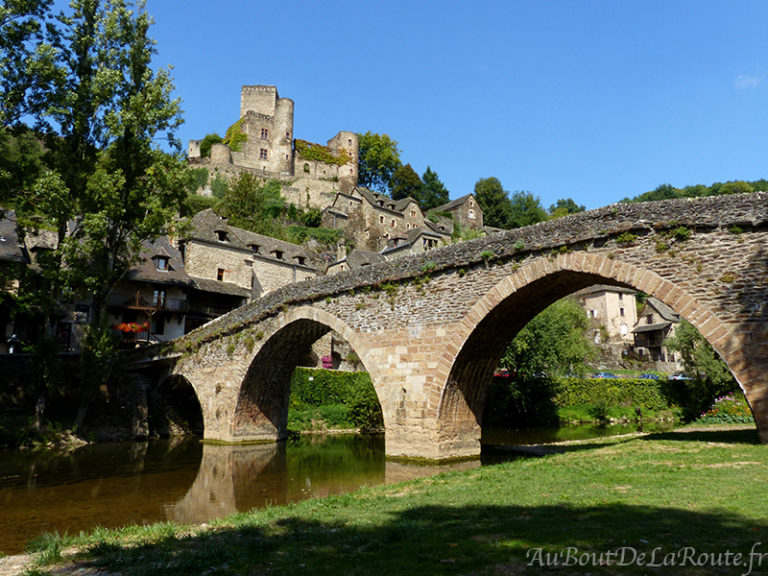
(186, 481)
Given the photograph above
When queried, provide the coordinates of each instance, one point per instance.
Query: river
(187, 481)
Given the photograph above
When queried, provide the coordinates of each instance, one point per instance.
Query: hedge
(353, 390)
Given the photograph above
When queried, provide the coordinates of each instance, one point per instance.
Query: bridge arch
(261, 410)
(174, 408)
(475, 349)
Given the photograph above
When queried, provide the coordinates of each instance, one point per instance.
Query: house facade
(465, 211)
(656, 322)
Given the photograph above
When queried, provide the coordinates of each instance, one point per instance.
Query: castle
(262, 142)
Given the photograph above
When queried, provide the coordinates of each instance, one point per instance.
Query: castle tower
(267, 121)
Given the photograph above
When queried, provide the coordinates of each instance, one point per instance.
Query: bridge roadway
(430, 329)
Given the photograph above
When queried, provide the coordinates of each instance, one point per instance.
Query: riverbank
(699, 489)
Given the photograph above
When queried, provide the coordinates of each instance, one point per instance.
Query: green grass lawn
(683, 490)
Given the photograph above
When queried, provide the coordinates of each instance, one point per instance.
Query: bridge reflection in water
(182, 481)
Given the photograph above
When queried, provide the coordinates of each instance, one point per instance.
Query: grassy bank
(700, 489)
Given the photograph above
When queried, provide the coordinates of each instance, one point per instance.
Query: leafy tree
(108, 186)
(555, 343)
(433, 192)
(378, 159)
(710, 376)
(525, 210)
(21, 26)
(406, 182)
(563, 207)
(494, 201)
(254, 206)
(208, 142)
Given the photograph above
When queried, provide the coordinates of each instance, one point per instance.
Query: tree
(405, 182)
(108, 187)
(494, 202)
(378, 159)
(553, 343)
(525, 210)
(253, 206)
(433, 192)
(563, 207)
(710, 376)
(21, 25)
(208, 142)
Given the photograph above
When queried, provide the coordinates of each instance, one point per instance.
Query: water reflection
(189, 482)
(182, 481)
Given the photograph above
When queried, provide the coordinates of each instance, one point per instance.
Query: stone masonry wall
(430, 328)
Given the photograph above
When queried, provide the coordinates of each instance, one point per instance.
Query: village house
(465, 212)
(376, 222)
(656, 322)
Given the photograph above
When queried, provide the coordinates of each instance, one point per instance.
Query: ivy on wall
(320, 153)
(235, 137)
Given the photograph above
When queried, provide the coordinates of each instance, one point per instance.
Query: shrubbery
(338, 399)
(546, 401)
(728, 409)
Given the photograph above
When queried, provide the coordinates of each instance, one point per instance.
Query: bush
(728, 409)
(351, 393)
(544, 401)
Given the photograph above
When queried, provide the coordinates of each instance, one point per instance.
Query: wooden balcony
(153, 303)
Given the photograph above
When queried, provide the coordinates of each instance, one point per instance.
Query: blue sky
(594, 100)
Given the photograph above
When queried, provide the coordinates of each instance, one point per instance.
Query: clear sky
(593, 100)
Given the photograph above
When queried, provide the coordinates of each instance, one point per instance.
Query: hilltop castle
(262, 142)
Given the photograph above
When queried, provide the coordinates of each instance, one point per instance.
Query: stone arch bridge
(430, 329)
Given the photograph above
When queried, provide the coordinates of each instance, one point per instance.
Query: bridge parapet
(745, 211)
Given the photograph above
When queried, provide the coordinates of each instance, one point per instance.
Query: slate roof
(147, 271)
(652, 327)
(11, 249)
(664, 311)
(453, 204)
(381, 201)
(605, 288)
(207, 224)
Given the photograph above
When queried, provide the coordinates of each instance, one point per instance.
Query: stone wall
(430, 329)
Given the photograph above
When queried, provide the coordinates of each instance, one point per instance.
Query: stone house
(265, 146)
(14, 260)
(216, 251)
(371, 219)
(465, 211)
(355, 259)
(656, 322)
(416, 241)
(612, 312)
(152, 300)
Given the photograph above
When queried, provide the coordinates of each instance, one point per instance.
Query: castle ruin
(262, 142)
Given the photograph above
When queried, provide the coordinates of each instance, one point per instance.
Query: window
(287, 135)
(264, 133)
(222, 236)
(621, 311)
(278, 254)
(161, 263)
(263, 154)
(254, 248)
(220, 274)
(471, 214)
(306, 168)
(381, 219)
(392, 224)
(158, 298)
(623, 329)
(300, 260)
(649, 319)
(621, 296)
(413, 213)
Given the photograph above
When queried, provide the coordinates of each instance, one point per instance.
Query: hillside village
(184, 281)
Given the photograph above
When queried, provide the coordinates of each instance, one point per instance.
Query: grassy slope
(702, 489)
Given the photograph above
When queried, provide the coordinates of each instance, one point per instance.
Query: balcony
(155, 302)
